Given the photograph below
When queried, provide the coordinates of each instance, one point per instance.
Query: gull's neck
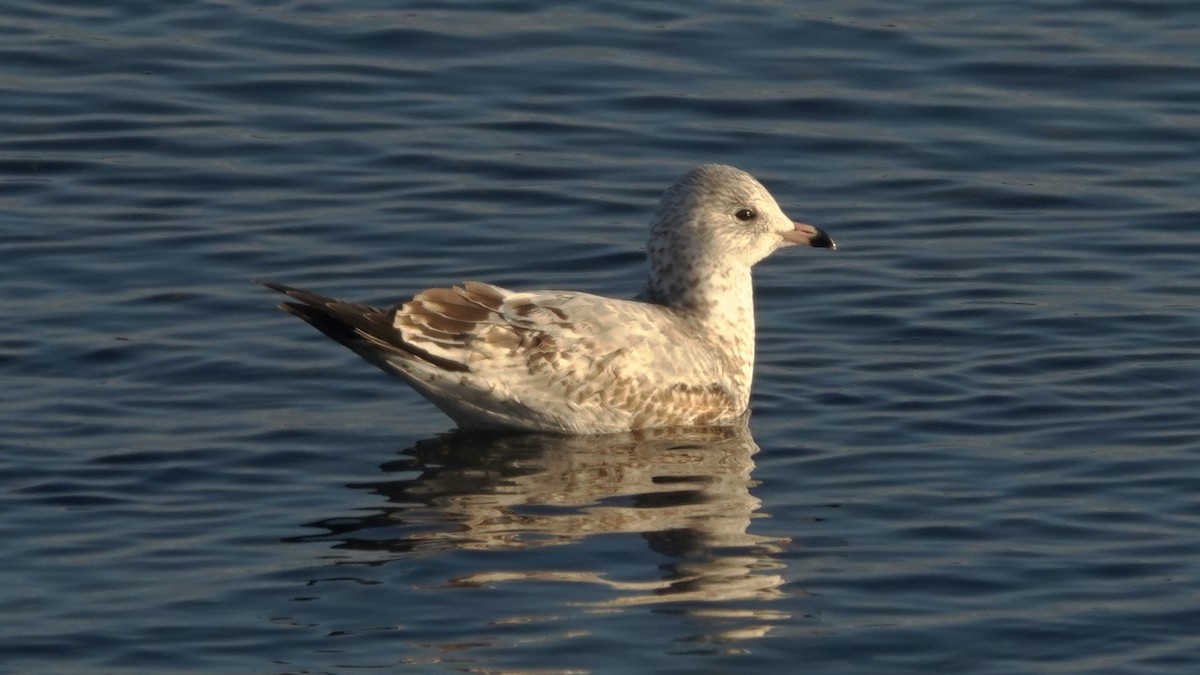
(717, 297)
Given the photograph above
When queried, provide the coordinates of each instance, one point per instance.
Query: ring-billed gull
(681, 353)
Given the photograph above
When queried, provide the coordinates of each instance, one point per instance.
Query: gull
(679, 354)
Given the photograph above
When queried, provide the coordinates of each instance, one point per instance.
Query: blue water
(974, 445)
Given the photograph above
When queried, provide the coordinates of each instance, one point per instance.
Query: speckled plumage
(680, 354)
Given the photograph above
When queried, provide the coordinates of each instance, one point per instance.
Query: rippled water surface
(974, 444)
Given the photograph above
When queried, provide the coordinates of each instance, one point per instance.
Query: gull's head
(721, 215)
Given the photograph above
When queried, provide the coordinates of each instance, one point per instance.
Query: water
(973, 446)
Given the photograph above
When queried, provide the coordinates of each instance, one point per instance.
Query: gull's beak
(807, 234)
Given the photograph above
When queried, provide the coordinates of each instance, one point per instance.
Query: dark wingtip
(295, 309)
(273, 286)
(302, 297)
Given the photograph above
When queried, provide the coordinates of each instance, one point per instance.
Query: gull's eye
(745, 215)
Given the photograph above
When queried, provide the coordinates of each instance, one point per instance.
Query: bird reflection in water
(686, 492)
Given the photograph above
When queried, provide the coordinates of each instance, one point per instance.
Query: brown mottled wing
(573, 356)
(489, 357)
(458, 324)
